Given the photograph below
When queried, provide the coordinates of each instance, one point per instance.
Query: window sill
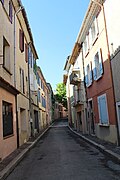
(9, 136)
(89, 85)
(98, 78)
(103, 125)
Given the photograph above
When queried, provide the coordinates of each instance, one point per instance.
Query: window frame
(97, 75)
(95, 23)
(6, 56)
(89, 77)
(22, 82)
(6, 124)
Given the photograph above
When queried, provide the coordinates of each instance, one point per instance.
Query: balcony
(75, 78)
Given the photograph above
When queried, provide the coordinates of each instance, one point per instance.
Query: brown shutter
(21, 40)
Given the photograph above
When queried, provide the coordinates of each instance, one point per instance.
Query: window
(39, 96)
(94, 31)
(98, 65)
(6, 55)
(10, 11)
(29, 55)
(86, 45)
(21, 40)
(7, 112)
(43, 102)
(88, 75)
(22, 88)
(26, 53)
(103, 111)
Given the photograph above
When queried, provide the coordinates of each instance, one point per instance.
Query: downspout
(17, 123)
(102, 7)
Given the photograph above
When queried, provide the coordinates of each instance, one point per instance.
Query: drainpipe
(102, 7)
(17, 124)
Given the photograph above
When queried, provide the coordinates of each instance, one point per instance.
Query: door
(92, 125)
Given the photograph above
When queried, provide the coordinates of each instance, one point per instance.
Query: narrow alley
(62, 155)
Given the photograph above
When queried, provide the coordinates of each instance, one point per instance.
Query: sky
(55, 25)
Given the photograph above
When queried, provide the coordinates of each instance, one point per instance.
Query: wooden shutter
(91, 76)
(21, 40)
(103, 111)
(86, 77)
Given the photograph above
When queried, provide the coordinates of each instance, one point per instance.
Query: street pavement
(61, 154)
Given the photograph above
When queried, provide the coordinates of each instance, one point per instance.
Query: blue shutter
(103, 112)
(95, 73)
(86, 77)
(91, 76)
(100, 62)
(91, 79)
(86, 80)
(101, 68)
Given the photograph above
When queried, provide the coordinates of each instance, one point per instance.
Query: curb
(11, 166)
(108, 152)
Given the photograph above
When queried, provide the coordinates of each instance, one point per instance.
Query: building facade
(93, 40)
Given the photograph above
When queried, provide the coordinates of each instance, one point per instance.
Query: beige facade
(22, 38)
(43, 100)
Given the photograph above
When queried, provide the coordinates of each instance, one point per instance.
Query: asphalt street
(62, 155)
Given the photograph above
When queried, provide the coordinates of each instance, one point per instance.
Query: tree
(61, 94)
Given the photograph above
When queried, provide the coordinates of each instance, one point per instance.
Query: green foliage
(61, 94)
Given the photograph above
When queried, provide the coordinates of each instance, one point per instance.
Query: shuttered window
(97, 65)
(103, 111)
(88, 75)
(94, 31)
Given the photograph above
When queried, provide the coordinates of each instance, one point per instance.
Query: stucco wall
(9, 144)
(112, 14)
(115, 63)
